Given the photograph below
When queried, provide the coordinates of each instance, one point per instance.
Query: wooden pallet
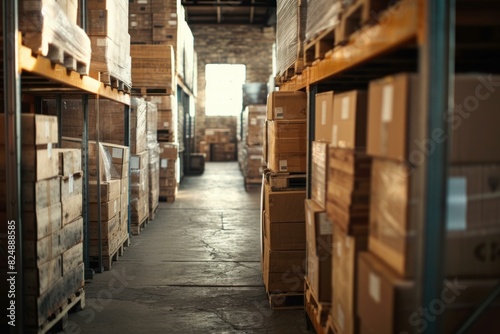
(318, 47)
(357, 15)
(317, 312)
(152, 213)
(152, 91)
(286, 181)
(296, 68)
(58, 55)
(286, 300)
(58, 321)
(107, 260)
(136, 228)
(168, 199)
(252, 183)
(113, 82)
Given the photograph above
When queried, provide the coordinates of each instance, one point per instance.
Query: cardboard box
(118, 154)
(319, 229)
(324, 117)
(70, 161)
(71, 208)
(392, 220)
(70, 235)
(110, 190)
(344, 279)
(165, 120)
(72, 258)
(38, 195)
(285, 236)
(319, 172)
(108, 228)
(71, 185)
(349, 120)
(284, 206)
(108, 210)
(283, 270)
(38, 280)
(37, 164)
(319, 275)
(119, 171)
(36, 130)
(139, 161)
(286, 105)
(386, 303)
(43, 222)
(169, 151)
(394, 106)
(287, 146)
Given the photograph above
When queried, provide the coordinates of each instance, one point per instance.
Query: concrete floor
(194, 269)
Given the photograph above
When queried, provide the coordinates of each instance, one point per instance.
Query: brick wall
(230, 44)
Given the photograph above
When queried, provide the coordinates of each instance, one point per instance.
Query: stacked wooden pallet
(52, 235)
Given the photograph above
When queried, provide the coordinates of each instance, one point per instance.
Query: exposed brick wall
(230, 44)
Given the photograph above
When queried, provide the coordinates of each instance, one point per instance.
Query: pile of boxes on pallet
(51, 204)
(283, 212)
(113, 182)
(365, 175)
(139, 162)
(107, 23)
(251, 155)
(169, 171)
(153, 158)
(218, 145)
(49, 23)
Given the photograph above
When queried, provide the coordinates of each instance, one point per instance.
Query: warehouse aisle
(194, 269)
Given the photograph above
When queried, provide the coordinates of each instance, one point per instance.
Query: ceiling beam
(252, 9)
(227, 4)
(218, 12)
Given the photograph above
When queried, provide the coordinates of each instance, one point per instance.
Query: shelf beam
(44, 68)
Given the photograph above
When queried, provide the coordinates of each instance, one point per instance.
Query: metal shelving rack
(25, 73)
(418, 36)
(184, 97)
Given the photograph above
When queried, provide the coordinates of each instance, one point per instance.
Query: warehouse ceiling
(251, 12)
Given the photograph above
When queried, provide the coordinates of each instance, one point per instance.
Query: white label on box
(387, 98)
(374, 287)
(173, 14)
(116, 153)
(255, 157)
(340, 317)
(283, 165)
(344, 114)
(253, 121)
(49, 150)
(278, 112)
(172, 23)
(134, 162)
(142, 2)
(323, 112)
(166, 124)
(335, 131)
(101, 42)
(133, 24)
(456, 204)
(71, 184)
(325, 225)
(47, 129)
(163, 163)
(209, 132)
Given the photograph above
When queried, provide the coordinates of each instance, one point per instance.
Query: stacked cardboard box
(153, 21)
(167, 117)
(284, 241)
(341, 119)
(107, 23)
(48, 23)
(153, 68)
(251, 153)
(51, 205)
(217, 145)
(114, 185)
(154, 158)
(139, 191)
(387, 272)
(169, 171)
(286, 137)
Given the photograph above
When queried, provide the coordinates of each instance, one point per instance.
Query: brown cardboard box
(349, 120)
(38, 195)
(71, 208)
(72, 258)
(38, 280)
(37, 164)
(108, 228)
(286, 105)
(284, 206)
(319, 172)
(344, 280)
(35, 129)
(118, 154)
(70, 161)
(42, 223)
(169, 151)
(285, 236)
(255, 127)
(324, 117)
(109, 190)
(283, 270)
(318, 229)
(287, 145)
(71, 185)
(386, 303)
(165, 120)
(70, 235)
(394, 104)
(139, 161)
(108, 210)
